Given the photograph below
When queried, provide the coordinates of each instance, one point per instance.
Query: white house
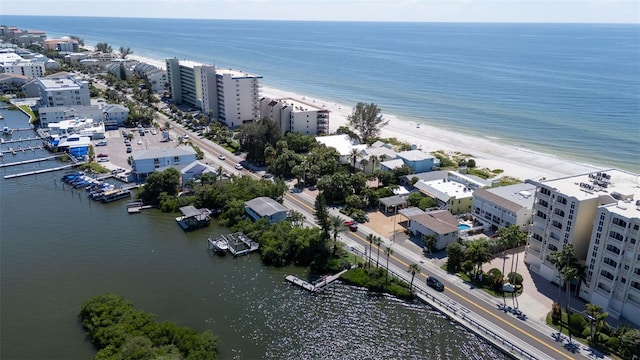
(145, 162)
(266, 208)
(344, 145)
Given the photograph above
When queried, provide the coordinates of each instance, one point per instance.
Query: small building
(343, 144)
(419, 161)
(451, 190)
(439, 223)
(195, 170)
(267, 208)
(145, 162)
(193, 218)
(376, 154)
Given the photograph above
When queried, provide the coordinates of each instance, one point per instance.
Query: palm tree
(354, 154)
(370, 239)
(569, 275)
(296, 218)
(596, 316)
(377, 240)
(337, 226)
(478, 254)
(430, 242)
(363, 164)
(413, 269)
(511, 236)
(387, 251)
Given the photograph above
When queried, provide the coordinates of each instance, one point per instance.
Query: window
(635, 284)
(610, 262)
(606, 274)
(614, 249)
(619, 222)
(636, 227)
(616, 235)
(562, 200)
(557, 224)
(559, 212)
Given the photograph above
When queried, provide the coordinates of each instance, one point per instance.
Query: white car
(140, 142)
(239, 167)
(222, 157)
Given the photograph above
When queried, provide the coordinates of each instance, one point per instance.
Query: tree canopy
(160, 182)
(120, 331)
(365, 119)
(255, 136)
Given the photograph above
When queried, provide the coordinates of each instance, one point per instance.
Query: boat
(6, 130)
(115, 195)
(219, 245)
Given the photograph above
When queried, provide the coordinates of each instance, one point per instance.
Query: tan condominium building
(599, 213)
(295, 116)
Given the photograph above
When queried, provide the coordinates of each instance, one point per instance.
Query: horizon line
(341, 21)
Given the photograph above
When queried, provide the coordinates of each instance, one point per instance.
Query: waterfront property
(193, 218)
(295, 116)
(599, 213)
(503, 206)
(343, 144)
(240, 244)
(145, 162)
(266, 208)
(418, 160)
(63, 90)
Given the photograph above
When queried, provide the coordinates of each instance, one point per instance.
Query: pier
(136, 207)
(42, 171)
(29, 161)
(317, 285)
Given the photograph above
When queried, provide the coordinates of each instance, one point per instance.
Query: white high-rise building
(599, 214)
(192, 84)
(238, 96)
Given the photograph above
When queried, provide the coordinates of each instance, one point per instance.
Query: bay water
(58, 249)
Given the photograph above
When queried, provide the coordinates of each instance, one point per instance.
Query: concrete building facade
(295, 116)
(504, 206)
(238, 95)
(193, 84)
(599, 214)
(63, 91)
(145, 162)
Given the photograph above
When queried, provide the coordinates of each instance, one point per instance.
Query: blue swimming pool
(464, 227)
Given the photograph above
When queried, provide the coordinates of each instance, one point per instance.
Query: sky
(565, 11)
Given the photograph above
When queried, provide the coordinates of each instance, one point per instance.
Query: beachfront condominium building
(238, 95)
(597, 213)
(28, 68)
(504, 206)
(63, 90)
(295, 116)
(613, 257)
(193, 84)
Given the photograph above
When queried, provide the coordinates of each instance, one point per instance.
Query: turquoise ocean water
(567, 89)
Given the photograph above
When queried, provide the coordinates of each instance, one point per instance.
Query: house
(440, 223)
(450, 189)
(145, 162)
(419, 161)
(503, 206)
(376, 154)
(194, 170)
(267, 208)
(344, 145)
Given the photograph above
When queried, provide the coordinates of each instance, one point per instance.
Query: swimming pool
(463, 227)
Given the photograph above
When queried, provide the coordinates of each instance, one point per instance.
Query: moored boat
(115, 195)
(219, 245)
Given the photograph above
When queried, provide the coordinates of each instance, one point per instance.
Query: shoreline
(516, 161)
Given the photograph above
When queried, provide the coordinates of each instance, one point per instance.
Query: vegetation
(93, 167)
(103, 47)
(256, 136)
(377, 280)
(120, 331)
(365, 119)
(160, 185)
(570, 271)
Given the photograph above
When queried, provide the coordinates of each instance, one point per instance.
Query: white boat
(6, 130)
(219, 245)
(115, 195)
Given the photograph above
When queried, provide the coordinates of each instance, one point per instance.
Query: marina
(237, 244)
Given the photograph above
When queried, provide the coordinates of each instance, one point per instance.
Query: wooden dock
(42, 171)
(29, 161)
(136, 207)
(318, 285)
(240, 244)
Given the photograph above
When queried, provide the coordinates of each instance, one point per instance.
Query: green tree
(166, 181)
(478, 254)
(388, 251)
(495, 278)
(430, 242)
(377, 241)
(103, 47)
(255, 136)
(297, 218)
(455, 256)
(337, 226)
(322, 215)
(413, 269)
(365, 119)
(511, 236)
(371, 240)
(596, 315)
(630, 343)
(354, 155)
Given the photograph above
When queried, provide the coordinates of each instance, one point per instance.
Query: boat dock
(21, 140)
(29, 161)
(42, 171)
(317, 285)
(136, 207)
(240, 244)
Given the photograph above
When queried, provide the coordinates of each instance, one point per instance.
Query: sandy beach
(516, 162)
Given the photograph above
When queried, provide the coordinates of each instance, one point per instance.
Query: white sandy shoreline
(515, 161)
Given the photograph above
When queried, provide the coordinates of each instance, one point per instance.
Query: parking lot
(116, 149)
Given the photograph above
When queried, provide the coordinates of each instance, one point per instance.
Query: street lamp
(394, 225)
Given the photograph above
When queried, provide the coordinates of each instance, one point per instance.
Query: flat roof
(54, 83)
(521, 194)
(161, 153)
(448, 187)
(300, 105)
(342, 143)
(265, 206)
(237, 73)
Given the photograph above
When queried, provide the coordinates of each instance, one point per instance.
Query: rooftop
(162, 153)
(236, 73)
(54, 83)
(512, 197)
(300, 105)
(415, 155)
(342, 143)
(438, 221)
(265, 206)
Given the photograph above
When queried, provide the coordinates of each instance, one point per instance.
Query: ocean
(571, 90)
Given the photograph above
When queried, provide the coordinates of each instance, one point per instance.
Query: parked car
(101, 143)
(239, 167)
(129, 149)
(267, 176)
(102, 155)
(103, 159)
(435, 283)
(222, 157)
